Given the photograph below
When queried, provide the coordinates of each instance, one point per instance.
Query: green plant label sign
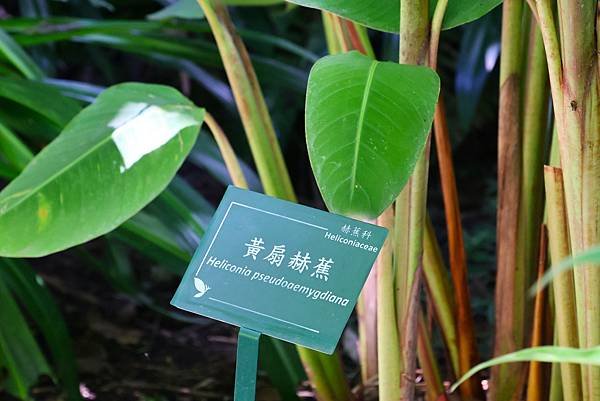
(279, 268)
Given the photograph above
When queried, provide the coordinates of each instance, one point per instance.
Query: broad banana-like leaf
(186, 9)
(384, 15)
(366, 126)
(111, 160)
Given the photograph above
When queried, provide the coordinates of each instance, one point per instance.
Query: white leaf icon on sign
(201, 287)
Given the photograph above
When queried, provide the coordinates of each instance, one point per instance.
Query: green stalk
(231, 160)
(535, 111)
(315, 371)
(574, 79)
(556, 390)
(333, 46)
(580, 149)
(531, 210)
(388, 345)
(563, 284)
(334, 373)
(440, 294)
(427, 359)
(326, 373)
(410, 206)
(408, 236)
(507, 382)
(538, 375)
(250, 102)
(366, 311)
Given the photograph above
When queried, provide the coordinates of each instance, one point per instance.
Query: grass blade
(548, 353)
(17, 56)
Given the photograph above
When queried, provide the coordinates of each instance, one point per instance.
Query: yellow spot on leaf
(43, 212)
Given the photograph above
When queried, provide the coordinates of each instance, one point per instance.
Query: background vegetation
(94, 320)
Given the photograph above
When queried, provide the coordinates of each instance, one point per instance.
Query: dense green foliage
(85, 156)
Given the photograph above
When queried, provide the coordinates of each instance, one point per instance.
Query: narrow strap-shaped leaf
(12, 149)
(19, 352)
(551, 354)
(590, 256)
(17, 56)
(36, 299)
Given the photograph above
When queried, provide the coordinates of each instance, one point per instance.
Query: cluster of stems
(549, 57)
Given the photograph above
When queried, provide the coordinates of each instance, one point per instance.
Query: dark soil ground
(125, 351)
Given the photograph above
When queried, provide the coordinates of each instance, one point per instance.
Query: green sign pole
(247, 360)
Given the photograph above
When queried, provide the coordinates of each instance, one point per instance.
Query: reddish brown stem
(354, 38)
(537, 387)
(458, 263)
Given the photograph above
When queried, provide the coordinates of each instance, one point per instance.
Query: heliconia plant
(371, 127)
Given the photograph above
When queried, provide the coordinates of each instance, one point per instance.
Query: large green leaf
(384, 15)
(111, 160)
(366, 126)
(188, 9)
(460, 12)
(548, 353)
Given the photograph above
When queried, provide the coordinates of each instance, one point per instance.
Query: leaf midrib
(360, 124)
(67, 167)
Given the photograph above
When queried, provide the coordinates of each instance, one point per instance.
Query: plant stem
(315, 371)
(388, 345)
(574, 79)
(427, 359)
(458, 260)
(231, 160)
(563, 284)
(366, 311)
(358, 37)
(535, 117)
(440, 294)
(410, 205)
(333, 46)
(508, 381)
(250, 102)
(537, 381)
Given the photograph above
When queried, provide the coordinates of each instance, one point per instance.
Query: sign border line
(217, 234)
(265, 315)
(252, 208)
